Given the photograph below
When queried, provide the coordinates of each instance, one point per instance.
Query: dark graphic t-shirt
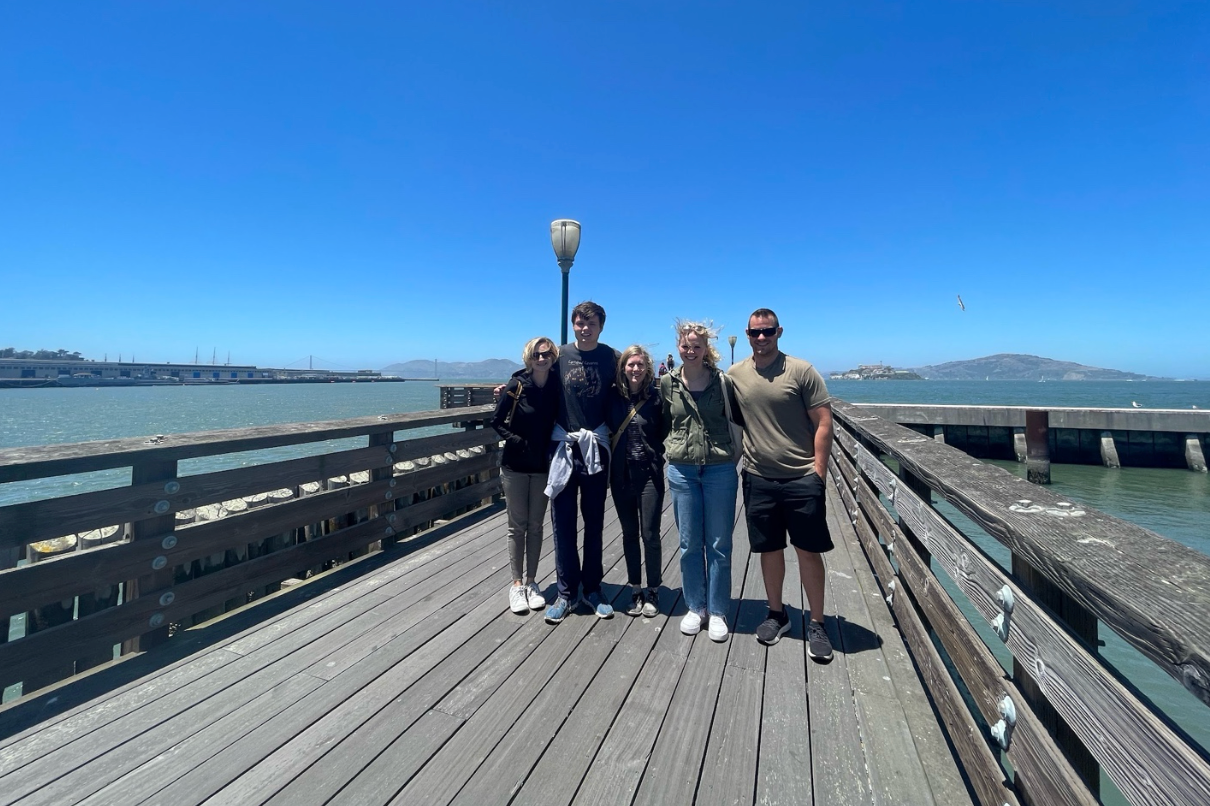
(586, 380)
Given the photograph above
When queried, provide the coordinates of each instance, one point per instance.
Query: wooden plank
(135, 769)
(382, 715)
(36, 652)
(1123, 734)
(785, 764)
(594, 743)
(892, 759)
(306, 621)
(390, 771)
(839, 767)
(982, 768)
(676, 760)
(40, 461)
(594, 681)
(286, 744)
(491, 705)
(38, 520)
(268, 757)
(260, 522)
(1150, 590)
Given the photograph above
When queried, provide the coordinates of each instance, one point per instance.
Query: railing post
(152, 529)
(1037, 446)
(1084, 625)
(916, 485)
(386, 441)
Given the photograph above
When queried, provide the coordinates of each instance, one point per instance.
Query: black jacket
(649, 416)
(526, 426)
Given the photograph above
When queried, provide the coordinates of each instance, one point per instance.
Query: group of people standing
(582, 419)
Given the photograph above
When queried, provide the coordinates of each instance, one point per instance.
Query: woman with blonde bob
(636, 474)
(524, 418)
(701, 476)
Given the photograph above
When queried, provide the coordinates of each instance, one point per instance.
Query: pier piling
(1037, 446)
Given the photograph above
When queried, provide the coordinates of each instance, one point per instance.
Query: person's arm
(504, 405)
(821, 418)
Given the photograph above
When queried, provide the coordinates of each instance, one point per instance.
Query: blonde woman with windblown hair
(636, 474)
(525, 415)
(701, 476)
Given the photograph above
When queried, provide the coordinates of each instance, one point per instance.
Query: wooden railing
(132, 565)
(1063, 715)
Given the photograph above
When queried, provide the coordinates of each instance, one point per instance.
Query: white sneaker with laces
(516, 599)
(536, 600)
(718, 628)
(691, 624)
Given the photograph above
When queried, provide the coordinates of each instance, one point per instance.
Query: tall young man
(787, 442)
(580, 463)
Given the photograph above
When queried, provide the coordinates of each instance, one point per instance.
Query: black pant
(639, 502)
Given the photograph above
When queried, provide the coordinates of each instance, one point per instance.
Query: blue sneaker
(558, 611)
(602, 609)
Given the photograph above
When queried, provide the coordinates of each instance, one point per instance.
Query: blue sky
(373, 182)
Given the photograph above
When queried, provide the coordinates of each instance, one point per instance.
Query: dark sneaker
(601, 608)
(819, 646)
(558, 611)
(636, 604)
(773, 628)
(651, 603)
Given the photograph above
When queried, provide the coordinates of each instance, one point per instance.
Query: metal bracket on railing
(1002, 731)
(890, 599)
(1003, 620)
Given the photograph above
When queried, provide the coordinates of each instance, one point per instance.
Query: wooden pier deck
(410, 683)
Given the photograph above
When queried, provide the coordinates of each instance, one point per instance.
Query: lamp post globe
(731, 341)
(565, 238)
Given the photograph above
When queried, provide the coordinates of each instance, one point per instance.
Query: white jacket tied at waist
(591, 444)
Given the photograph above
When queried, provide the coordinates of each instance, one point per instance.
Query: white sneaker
(691, 624)
(536, 600)
(516, 599)
(718, 628)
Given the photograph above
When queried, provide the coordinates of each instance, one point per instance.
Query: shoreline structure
(28, 373)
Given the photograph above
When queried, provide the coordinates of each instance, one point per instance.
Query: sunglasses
(767, 332)
(537, 355)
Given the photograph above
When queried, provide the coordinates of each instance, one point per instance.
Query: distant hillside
(493, 369)
(1016, 367)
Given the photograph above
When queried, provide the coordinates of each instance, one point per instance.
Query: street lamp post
(731, 341)
(565, 238)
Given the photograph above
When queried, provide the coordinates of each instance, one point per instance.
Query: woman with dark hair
(524, 418)
(701, 475)
(636, 469)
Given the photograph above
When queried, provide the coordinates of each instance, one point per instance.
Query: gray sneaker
(773, 628)
(819, 646)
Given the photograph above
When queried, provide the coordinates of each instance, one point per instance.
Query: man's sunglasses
(767, 332)
(540, 354)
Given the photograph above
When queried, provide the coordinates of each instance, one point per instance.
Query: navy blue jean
(591, 492)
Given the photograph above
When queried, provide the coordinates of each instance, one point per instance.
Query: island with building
(875, 372)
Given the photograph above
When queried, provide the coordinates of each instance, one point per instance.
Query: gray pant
(525, 499)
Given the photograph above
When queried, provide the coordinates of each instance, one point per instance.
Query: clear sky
(373, 182)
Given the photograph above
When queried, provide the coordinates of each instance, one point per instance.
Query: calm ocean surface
(1174, 503)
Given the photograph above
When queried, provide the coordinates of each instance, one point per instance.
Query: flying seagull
(960, 303)
(1135, 403)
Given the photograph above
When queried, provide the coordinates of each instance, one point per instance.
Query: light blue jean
(703, 502)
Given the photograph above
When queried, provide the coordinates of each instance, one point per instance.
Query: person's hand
(499, 390)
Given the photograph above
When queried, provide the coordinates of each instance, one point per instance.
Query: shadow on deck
(404, 679)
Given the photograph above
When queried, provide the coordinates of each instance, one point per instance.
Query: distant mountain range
(1017, 367)
(493, 369)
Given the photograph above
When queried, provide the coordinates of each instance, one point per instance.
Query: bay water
(1173, 503)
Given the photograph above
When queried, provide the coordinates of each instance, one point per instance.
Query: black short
(775, 507)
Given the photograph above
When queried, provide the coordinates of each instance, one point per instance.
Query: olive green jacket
(697, 430)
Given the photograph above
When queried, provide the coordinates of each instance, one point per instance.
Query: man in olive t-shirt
(787, 443)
